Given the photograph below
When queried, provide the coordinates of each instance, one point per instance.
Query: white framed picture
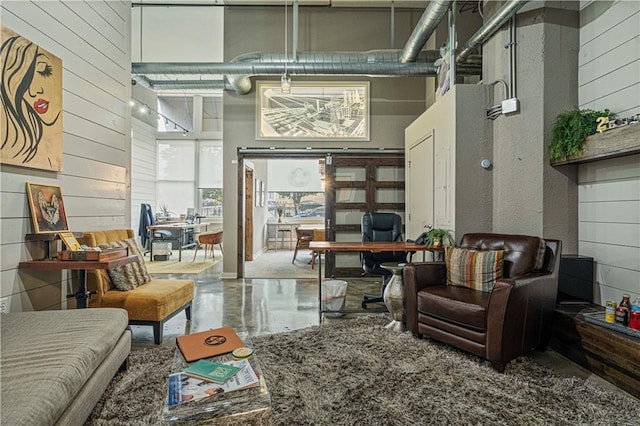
(313, 111)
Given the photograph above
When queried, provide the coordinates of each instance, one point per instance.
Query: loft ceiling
(330, 3)
(154, 74)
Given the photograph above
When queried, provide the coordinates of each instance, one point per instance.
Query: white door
(419, 186)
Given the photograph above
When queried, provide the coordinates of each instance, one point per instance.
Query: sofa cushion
(129, 276)
(458, 305)
(152, 301)
(475, 269)
(47, 357)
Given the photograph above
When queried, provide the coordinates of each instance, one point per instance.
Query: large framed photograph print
(313, 111)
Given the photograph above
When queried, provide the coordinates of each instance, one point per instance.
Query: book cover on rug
(211, 371)
(184, 388)
(207, 344)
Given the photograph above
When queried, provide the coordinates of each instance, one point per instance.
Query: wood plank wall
(609, 64)
(609, 190)
(93, 39)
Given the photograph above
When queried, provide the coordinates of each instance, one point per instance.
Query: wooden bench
(152, 303)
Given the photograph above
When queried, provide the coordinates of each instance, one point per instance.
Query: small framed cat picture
(47, 208)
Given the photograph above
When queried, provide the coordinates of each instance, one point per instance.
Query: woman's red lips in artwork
(41, 106)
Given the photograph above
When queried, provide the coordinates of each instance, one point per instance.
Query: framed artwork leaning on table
(47, 209)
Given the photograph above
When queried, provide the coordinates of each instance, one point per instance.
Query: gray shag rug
(355, 372)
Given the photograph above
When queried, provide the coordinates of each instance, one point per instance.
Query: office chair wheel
(363, 304)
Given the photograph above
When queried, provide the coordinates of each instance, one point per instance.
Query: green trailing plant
(442, 235)
(570, 130)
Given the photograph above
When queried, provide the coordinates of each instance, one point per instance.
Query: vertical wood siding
(93, 41)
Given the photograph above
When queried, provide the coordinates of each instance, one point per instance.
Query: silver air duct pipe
(375, 62)
(428, 23)
(274, 68)
(490, 28)
(145, 81)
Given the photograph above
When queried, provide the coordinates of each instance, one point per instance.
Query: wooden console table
(611, 355)
(82, 294)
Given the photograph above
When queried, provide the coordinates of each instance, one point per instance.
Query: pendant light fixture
(285, 80)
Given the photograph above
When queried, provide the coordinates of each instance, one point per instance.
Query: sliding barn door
(356, 185)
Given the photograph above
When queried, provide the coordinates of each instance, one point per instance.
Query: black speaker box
(576, 279)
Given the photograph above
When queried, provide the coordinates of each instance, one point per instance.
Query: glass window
(176, 160)
(178, 111)
(211, 202)
(210, 164)
(212, 113)
(176, 177)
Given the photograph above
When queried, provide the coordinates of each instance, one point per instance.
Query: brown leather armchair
(513, 319)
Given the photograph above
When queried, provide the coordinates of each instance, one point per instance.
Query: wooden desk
(82, 295)
(320, 247)
(180, 227)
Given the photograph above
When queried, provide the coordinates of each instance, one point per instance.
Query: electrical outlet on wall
(4, 305)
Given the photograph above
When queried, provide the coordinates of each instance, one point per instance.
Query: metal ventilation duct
(428, 23)
(375, 63)
(490, 27)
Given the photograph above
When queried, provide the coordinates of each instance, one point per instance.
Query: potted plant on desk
(437, 237)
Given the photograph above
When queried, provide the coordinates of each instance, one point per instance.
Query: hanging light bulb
(285, 83)
(285, 80)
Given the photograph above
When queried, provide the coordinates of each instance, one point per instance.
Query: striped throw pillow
(474, 269)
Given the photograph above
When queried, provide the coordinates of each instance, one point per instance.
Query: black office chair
(147, 219)
(380, 227)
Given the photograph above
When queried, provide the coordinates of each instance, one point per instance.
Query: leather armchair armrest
(415, 277)
(515, 307)
(496, 319)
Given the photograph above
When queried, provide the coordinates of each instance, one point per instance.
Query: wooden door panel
(356, 185)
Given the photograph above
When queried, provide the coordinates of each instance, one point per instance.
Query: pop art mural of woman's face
(31, 95)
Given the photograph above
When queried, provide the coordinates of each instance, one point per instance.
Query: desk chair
(208, 239)
(303, 238)
(380, 227)
(147, 219)
(318, 235)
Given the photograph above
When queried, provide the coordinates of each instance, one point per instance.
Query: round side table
(394, 296)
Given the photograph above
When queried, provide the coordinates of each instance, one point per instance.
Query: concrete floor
(264, 306)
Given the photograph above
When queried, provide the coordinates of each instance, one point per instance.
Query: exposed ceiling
(330, 3)
(180, 76)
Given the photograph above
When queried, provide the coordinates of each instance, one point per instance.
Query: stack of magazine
(188, 386)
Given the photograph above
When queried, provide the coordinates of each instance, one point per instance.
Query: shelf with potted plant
(575, 139)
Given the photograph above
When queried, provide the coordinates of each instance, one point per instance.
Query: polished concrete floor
(263, 306)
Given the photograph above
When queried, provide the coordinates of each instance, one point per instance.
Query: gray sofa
(55, 365)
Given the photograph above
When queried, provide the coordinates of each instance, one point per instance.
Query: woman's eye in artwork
(44, 69)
